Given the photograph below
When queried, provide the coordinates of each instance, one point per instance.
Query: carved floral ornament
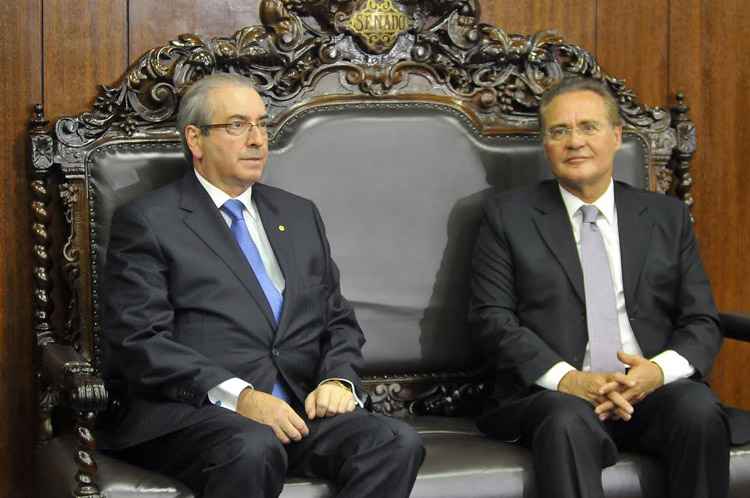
(362, 48)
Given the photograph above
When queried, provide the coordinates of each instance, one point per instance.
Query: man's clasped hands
(615, 394)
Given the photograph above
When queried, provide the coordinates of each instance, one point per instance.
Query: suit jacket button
(275, 352)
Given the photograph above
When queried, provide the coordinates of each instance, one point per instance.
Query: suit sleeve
(494, 305)
(343, 339)
(139, 318)
(697, 336)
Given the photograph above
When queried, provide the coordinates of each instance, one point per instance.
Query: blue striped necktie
(233, 208)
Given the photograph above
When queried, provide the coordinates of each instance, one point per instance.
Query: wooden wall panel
(575, 20)
(20, 86)
(709, 59)
(632, 44)
(153, 24)
(73, 28)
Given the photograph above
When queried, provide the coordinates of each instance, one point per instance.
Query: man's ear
(618, 135)
(194, 139)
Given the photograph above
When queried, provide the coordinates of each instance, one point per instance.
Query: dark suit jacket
(528, 308)
(184, 312)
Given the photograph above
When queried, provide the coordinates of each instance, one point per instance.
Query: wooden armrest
(736, 326)
(69, 371)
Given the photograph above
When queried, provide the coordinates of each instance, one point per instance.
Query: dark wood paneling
(632, 42)
(575, 20)
(153, 24)
(85, 45)
(709, 59)
(20, 86)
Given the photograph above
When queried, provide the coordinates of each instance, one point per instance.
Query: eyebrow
(583, 121)
(246, 118)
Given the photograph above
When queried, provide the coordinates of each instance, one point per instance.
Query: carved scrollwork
(301, 42)
(69, 193)
(386, 399)
(49, 398)
(428, 394)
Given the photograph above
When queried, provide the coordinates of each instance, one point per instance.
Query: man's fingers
(333, 402)
(620, 402)
(623, 379)
(323, 399)
(310, 403)
(621, 414)
(280, 434)
(290, 430)
(603, 408)
(345, 403)
(298, 423)
(628, 359)
(608, 388)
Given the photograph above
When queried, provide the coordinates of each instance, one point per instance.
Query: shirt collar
(605, 203)
(219, 197)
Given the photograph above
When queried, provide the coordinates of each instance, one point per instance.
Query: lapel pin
(282, 228)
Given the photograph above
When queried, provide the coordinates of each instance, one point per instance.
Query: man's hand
(329, 399)
(274, 412)
(601, 389)
(646, 377)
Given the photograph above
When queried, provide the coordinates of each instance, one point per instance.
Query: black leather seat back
(399, 189)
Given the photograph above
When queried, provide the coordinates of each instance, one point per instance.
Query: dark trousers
(682, 424)
(363, 454)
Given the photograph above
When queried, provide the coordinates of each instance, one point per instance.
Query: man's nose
(575, 140)
(255, 136)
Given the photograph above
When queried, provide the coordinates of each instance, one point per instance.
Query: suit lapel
(276, 227)
(634, 228)
(553, 224)
(206, 222)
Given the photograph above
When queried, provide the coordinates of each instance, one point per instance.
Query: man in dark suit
(224, 317)
(592, 299)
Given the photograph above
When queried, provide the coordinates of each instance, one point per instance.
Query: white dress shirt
(673, 365)
(228, 392)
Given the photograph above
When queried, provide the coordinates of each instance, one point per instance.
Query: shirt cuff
(673, 365)
(551, 379)
(227, 393)
(350, 385)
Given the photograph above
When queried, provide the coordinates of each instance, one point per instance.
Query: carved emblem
(378, 25)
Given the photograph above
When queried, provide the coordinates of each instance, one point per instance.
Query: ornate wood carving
(683, 153)
(427, 394)
(305, 49)
(42, 146)
(69, 193)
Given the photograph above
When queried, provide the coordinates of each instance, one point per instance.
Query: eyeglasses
(239, 127)
(587, 128)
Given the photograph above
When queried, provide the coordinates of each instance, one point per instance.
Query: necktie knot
(233, 208)
(590, 213)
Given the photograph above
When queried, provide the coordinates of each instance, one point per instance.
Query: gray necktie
(601, 306)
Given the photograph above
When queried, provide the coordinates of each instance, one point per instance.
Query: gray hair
(576, 84)
(195, 106)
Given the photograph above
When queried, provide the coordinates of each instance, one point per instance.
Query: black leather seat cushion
(460, 463)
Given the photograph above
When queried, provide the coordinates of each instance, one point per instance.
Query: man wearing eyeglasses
(224, 318)
(592, 300)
